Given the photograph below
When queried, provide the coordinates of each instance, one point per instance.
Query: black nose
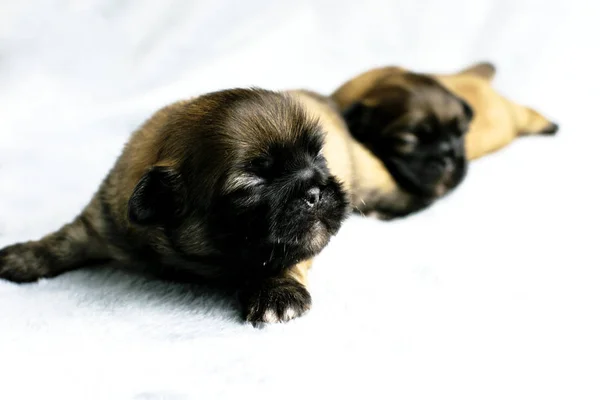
(457, 148)
(451, 148)
(312, 196)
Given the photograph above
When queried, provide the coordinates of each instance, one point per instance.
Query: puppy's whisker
(272, 253)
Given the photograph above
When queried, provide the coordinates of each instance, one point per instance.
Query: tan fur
(363, 174)
(299, 272)
(355, 88)
(498, 120)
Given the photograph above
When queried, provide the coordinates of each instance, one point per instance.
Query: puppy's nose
(312, 196)
(458, 147)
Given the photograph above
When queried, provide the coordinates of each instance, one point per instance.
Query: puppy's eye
(320, 158)
(405, 142)
(425, 129)
(261, 165)
(405, 137)
(408, 138)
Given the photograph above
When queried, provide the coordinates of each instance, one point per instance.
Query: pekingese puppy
(231, 187)
(425, 128)
(414, 125)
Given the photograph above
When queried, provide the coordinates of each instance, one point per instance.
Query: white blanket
(493, 293)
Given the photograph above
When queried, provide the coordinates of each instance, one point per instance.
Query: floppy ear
(485, 70)
(359, 118)
(468, 110)
(157, 198)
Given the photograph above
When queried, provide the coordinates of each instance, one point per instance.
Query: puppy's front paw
(274, 300)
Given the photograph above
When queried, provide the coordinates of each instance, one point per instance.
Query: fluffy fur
(230, 187)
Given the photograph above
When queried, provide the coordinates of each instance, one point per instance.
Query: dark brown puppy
(415, 126)
(231, 186)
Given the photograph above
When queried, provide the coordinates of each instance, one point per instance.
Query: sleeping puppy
(230, 187)
(414, 125)
(497, 120)
(425, 127)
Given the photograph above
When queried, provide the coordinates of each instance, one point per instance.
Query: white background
(492, 293)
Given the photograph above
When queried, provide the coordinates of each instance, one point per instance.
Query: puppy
(497, 120)
(230, 187)
(425, 128)
(415, 126)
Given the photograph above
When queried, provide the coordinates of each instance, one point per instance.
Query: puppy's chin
(429, 192)
(428, 180)
(258, 235)
(451, 174)
(309, 240)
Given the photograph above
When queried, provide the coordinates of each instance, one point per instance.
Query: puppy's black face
(257, 195)
(280, 205)
(417, 128)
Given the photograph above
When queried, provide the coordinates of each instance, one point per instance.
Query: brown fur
(197, 147)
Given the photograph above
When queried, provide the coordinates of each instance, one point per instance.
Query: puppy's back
(498, 120)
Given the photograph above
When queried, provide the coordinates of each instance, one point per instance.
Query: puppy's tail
(485, 70)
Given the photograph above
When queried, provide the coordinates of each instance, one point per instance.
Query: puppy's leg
(72, 246)
(530, 122)
(388, 209)
(278, 299)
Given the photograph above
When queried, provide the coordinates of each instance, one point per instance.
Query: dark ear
(468, 110)
(157, 198)
(359, 117)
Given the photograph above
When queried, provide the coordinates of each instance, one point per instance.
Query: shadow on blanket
(114, 289)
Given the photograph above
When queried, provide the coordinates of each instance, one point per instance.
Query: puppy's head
(417, 128)
(245, 187)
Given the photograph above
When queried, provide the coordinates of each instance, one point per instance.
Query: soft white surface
(491, 294)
